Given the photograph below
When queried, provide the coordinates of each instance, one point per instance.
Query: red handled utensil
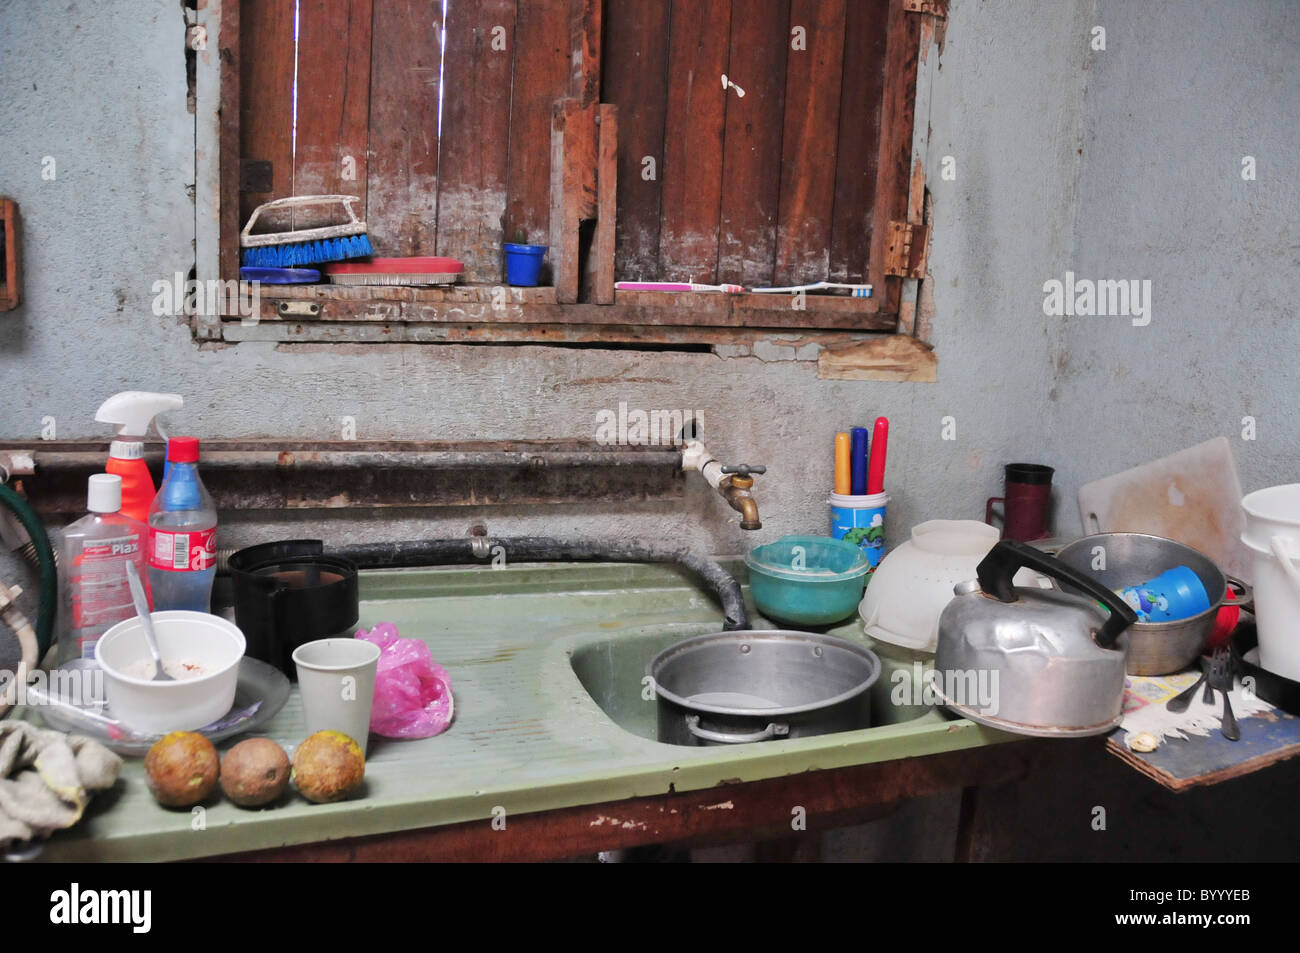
(876, 464)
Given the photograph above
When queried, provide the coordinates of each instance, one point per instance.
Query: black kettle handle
(999, 567)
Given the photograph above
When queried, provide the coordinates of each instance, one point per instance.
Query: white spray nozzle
(133, 410)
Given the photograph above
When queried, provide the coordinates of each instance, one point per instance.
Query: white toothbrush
(859, 291)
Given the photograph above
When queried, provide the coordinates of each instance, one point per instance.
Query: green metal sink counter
(525, 648)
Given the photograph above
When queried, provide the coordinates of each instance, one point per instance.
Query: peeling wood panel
(585, 51)
(812, 101)
(266, 57)
(541, 76)
(635, 68)
(729, 341)
(601, 259)
(698, 46)
(893, 175)
(402, 180)
(397, 304)
(475, 135)
(333, 97)
(859, 139)
(751, 172)
(894, 357)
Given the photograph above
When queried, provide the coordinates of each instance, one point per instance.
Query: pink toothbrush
(674, 286)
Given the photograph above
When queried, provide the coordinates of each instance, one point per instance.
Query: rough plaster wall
(1182, 92)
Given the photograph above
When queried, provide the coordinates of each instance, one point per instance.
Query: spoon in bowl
(146, 620)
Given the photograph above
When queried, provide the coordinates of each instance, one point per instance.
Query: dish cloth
(1145, 711)
(47, 778)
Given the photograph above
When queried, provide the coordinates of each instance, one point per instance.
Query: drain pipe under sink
(476, 549)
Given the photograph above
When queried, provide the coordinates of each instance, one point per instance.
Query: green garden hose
(45, 608)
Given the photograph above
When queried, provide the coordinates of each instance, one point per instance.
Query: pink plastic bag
(412, 691)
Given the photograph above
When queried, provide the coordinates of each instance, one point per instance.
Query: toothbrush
(858, 291)
(674, 286)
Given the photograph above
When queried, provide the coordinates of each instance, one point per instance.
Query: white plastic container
(209, 641)
(1272, 535)
(93, 553)
(914, 583)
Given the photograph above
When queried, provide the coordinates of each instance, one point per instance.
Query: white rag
(1145, 711)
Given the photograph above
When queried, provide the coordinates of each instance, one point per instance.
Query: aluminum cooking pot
(746, 686)
(1032, 661)
(1156, 648)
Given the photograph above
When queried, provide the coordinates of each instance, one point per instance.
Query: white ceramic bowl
(158, 707)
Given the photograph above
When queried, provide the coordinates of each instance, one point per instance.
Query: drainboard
(613, 672)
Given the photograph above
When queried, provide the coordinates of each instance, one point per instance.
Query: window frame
(502, 314)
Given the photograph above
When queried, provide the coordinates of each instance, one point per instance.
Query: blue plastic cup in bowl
(807, 580)
(1175, 594)
(524, 264)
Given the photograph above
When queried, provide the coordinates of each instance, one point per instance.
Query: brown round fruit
(255, 772)
(328, 766)
(181, 769)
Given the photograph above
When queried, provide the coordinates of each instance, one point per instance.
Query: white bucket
(1273, 537)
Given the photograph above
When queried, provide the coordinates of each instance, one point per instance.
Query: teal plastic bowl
(807, 580)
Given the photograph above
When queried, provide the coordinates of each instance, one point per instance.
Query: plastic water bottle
(182, 534)
(93, 553)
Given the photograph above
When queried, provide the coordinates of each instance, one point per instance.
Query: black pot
(290, 593)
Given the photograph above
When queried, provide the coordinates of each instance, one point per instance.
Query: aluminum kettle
(1032, 661)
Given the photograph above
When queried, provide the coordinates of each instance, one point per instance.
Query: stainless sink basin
(613, 673)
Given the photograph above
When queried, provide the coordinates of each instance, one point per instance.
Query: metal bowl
(746, 686)
(1154, 648)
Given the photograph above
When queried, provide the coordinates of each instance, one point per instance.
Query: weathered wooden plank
(751, 173)
(230, 47)
(894, 171)
(693, 137)
(333, 98)
(809, 140)
(635, 70)
(541, 76)
(831, 798)
(475, 135)
(858, 153)
(892, 357)
(573, 189)
(391, 305)
(585, 51)
(402, 174)
(602, 243)
(264, 96)
(10, 271)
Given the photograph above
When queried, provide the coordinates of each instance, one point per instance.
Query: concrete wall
(1182, 93)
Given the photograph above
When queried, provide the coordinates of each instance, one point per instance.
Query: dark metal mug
(1027, 505)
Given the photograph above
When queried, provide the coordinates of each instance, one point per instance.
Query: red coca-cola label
(188, 551)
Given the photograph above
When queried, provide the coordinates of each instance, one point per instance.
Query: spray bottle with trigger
(132, 411)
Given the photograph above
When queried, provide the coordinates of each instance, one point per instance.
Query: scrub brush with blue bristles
(305, 246)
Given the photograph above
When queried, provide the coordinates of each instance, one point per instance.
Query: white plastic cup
(337, 681)
(862, 520)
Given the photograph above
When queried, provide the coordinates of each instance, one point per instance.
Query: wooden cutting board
(1193, 496)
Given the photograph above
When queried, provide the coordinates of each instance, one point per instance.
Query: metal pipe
(384, 459)
(442, 552)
